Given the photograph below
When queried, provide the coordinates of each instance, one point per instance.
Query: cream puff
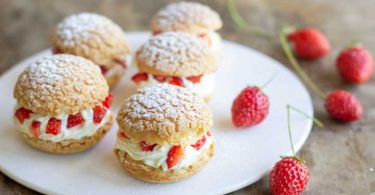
(190, 17)
(96, 38)
(177, 58)
(164, 134)
(62, 104)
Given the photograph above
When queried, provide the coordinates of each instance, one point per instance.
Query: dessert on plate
(177, 58)
(164, 134)
(190, 17)
(62, 104)
(96, 38)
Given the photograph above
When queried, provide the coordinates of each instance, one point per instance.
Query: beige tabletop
(341, 157)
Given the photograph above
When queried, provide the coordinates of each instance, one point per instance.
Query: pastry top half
(165, 114)
(176, 54)
(92, 36)
(190, 17)
(60, 84)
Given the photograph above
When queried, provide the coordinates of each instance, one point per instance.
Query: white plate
(242, 156)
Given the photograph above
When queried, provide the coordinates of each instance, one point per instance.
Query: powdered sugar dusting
(186, 16)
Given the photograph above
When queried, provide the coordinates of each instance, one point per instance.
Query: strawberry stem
(269, 81)
(354, 43)
(315, 120)
(290, 131)
(231, 4)
(293, 61)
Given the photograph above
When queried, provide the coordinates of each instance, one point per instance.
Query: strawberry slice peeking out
(176, 81)
(160, 78)
(139, 77)
(108, 101)
(56, 51)
(205, 38)
(74, 120)
(199, 143)
(121, 134)
(209, 133)
(99, 113)
(103, 69)
(195, 79)
(22, 114)
(35, 128)
(147, 147)
(121, 63)
(175, 155)
(53, 126)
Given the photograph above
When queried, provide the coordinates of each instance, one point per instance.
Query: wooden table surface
(341, 157)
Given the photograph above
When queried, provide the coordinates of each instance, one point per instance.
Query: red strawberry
(309, 43)
(160, 78)
(108, 101)
(175, 155)
(99, 113)
(139, 77)
(205, 38)
(104, 69)
(176, 81)
(289, 176)
(343, 106)
(121, 62)
(56, 51)
(250, 107)
(147, 147)
(209, 133)
(195, 79)
(35, 128)
(156, 32)
(199, 143)
(355, 64)
(22, 114)
(74, 120)
(121, 134)
(53, 126)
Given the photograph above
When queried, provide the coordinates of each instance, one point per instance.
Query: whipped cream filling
(119, 68)
(87, 128)
(158, 156)
(204, 88)
(215, 41)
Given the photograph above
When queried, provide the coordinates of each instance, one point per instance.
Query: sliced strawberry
(35, 128)
(175, 155)
(121, 134)
(56, 51)
(176, 81)
(121, 62)
(108, 101)
(53, 126)
(22, 114)
(156, 32)
(147, 147)
(99, 113)
(104, 69)
(199, 143)
(139, 77)
(74, 120)
(195, 79)
(160, 78)
(205, 38)
(209, 133)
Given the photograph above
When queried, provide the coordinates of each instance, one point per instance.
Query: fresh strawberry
(108, 101)
(160, 78)
(309, 43)
(74, 120)
(139, 77)
(195, 79)
(289, 176)
(99, 113)
(56, 51)
(147, 147)
(121, 63)
(156, 32)
(250, 107)
(209, 133)
(103, 69)
(343, 106)
(121, 134)
(22, 114)
(199, 143)
(175, 155)
(205, 38)
(35, 128)
(53, 126)
(355, 64)
(176, 81)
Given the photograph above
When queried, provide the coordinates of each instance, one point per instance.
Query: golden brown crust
(188, 17)
(165, 114)
(60, 84)
(156, 175)
(71, 145)
(176, 54)
(92, 36)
